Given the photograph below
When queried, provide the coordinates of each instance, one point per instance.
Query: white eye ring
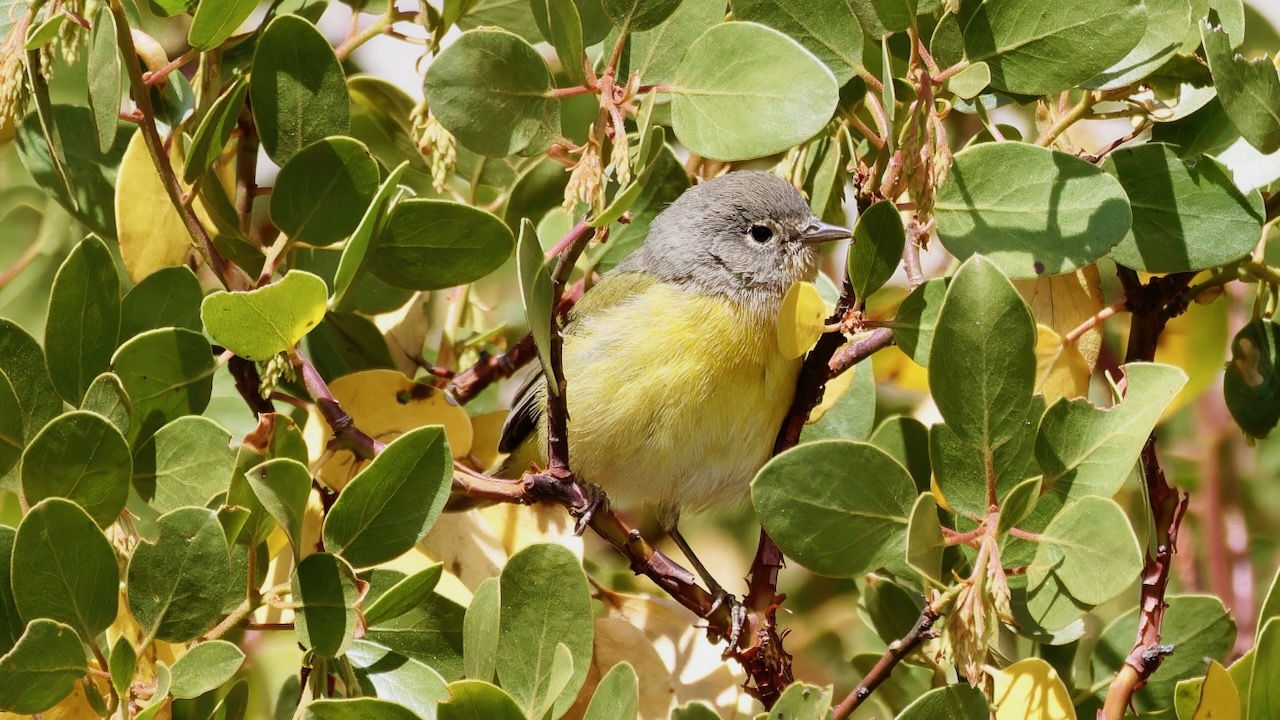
(760, 233)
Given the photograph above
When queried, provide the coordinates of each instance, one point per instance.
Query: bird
(675, 384)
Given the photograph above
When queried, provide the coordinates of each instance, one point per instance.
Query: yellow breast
(675, 398)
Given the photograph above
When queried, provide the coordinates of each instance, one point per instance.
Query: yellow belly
(674, 399)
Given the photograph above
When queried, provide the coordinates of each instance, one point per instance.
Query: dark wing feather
(526, 413)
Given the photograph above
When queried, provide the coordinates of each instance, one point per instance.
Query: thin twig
(155, 145)
(1076, 113)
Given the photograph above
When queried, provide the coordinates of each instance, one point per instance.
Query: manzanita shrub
(259, 303)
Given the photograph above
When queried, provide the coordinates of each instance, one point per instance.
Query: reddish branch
(898, 650)
(1153, 305)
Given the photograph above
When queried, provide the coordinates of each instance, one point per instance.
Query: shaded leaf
(177, 585)
(80, 456)
(298, 92)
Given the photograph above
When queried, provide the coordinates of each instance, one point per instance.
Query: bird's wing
(526, 410)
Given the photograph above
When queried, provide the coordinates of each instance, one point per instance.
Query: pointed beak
(820, 232)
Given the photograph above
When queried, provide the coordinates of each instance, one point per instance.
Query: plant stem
(155, 145)
(1072, 116)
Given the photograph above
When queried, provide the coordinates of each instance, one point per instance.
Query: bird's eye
(760, 233)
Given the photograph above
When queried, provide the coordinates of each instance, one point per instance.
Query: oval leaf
(42, 668)
(178, 584)
(324, 190)
(325, 587)
(84, 318)
(261, 323)
(392, 504)
(839, 508)
(434, 244)
(298, 91)
(878, 241)
(1062, 213)
(80, 456)
(204, 667)
(168, 373)
(767, 93)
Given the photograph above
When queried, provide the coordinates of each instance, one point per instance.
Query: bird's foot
(596, 500)
(737, 620)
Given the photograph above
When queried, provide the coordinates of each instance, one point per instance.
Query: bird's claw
(596, 500)
(737, 619)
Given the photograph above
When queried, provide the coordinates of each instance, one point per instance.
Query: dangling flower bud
(437, 143)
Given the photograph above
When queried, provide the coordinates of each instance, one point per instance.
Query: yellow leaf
(1031, 690)
(800, 320)
(1219, 699)
(151, 232)
(518, 527)
(894, 367)
(385, 404)
(696, 669)
(836, 388)
(484, 444)
(1063, 302)
(1061, 371)
(617, 640)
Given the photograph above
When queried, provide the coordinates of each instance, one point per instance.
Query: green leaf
(970, 82)
(105, 397)
(298, 92)
(876, 252)
(357, 709)
(892, 608)
(1018, 503)
(84, 318)
(185, 463)
(91, 172)
(169, 297)
(925, 542)
(1197, 625)
(492, 90)
(260, 323)
(513, 15)
(694, 711)
(351, 265)
(11, 623)
(1251, 384)
(1061, 215)
(536, 293)
(394, 501)
(1248, 89)
(1168, 23)
(639, 14)
(952, 702)
(64, 568)
(1264, 696)
(1270, 604)
(177, 585)
(325, 587)
(767, 93)
(560, 24)
(476, 699)
(104, 80)
(853, 415)
(404, 595)
(616, 696)
(214, 131)
(906, 439)
(324, 190)
(283, 486)
(235, 704)
(122, 663)
(42, 668)
(434, 244)
(917, 318)
(1090, 548)
(205, 667)
(985, 338)
(825, 28)
(84, 458)
(1187, 214)
(431, 633)
(216, 20)
(972, 475)
(168, 373)
(11, 435)
(802, 702)
(839, 508)
(346, 343)
(545, 602)
(1086, 450)
(1065, 45)
(656, 53)
(22, 362)
(480, 631)
(392, 676)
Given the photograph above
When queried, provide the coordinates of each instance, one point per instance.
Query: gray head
(746, 235)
